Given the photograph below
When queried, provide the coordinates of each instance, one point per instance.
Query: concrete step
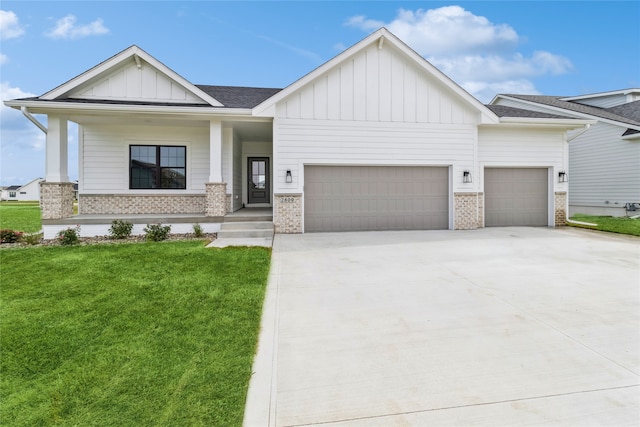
(248, 218)
(254, 233)
(251, 225)
(238, 234)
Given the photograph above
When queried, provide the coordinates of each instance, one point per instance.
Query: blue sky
(537, 47)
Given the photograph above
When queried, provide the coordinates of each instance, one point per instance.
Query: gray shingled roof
(229, 96)
(239, 97)
(604, 113)
(505, 111)
(629, 110)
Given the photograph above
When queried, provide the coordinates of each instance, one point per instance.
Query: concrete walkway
(498, 326)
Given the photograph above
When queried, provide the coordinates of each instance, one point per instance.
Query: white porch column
(215, 151)
(56, 164)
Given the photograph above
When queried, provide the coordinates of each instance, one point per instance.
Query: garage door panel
(516, 196)
(376, 198)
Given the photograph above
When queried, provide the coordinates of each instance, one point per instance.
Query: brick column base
(287, 213)
(560, 208)
(56, 199)
(216, 203)
(467, 208)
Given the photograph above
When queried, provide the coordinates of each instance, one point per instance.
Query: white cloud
(22, 148)
(3, 59)
(66, 28)
(494, 68)
(12, 120)
(479, 55)
(9, 26)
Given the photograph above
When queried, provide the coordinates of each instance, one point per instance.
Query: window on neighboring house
(23, 192)
(12, 194)
(158, 166)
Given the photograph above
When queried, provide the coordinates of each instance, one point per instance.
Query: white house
(377, 138)
(604, 161)
(29, 191)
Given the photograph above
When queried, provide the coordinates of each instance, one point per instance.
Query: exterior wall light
(466, 177)
(288, 177)
(562, 176)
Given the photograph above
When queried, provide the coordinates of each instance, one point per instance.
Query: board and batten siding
(377, 85)
(603, 168)
(377, 107)
(104, 156)
(318, 142)
(132, 84)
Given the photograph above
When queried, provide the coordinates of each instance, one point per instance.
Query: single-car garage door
(516, 196)
(359, 198)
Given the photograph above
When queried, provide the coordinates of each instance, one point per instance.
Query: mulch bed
(106, 240)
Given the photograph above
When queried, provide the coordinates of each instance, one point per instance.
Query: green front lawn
(20, 216)
(612, 224)
(158, 334)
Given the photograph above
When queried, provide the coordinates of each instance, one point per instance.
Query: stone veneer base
(216, 200)
(468, 211)
(560, 208)
(136, 204)
(287, 213)
(56, 199)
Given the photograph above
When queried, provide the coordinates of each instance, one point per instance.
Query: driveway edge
(260, 407)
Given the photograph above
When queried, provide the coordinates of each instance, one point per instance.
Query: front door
(258, 173)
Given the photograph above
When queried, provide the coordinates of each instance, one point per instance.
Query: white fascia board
(380, 37)
(601, 94)
(133, 53)
(47, 107)
(564, 111)
(546, 122)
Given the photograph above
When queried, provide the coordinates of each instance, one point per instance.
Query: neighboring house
(604, 161)
(10, 192)
(29, 191)
(377, 138)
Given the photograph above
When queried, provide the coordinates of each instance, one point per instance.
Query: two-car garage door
(359, 198)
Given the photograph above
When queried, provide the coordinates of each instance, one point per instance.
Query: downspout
(569, 221)
(580, 132)
(33, 120)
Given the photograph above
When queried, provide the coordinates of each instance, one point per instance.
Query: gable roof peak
(382, 36)
(140, 57)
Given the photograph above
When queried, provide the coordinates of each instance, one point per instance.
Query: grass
(620, 225)
(158, 334)
(20, 216)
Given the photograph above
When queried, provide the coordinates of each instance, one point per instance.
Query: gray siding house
(604, 160)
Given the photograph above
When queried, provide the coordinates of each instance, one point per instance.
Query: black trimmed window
(157, 167)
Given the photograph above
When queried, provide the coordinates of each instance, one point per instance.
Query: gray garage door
(515, 197)
(359, 198)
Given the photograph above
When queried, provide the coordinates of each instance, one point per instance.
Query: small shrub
(10, 236)
(120, 229)
(197, 230)
(157, 232)
(32, 239)
(70, 236)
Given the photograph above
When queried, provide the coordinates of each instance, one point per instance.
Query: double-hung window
(157, 167)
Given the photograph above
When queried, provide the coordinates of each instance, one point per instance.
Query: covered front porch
(227, 168)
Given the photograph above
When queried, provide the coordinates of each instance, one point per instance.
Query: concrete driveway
(498, 326)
